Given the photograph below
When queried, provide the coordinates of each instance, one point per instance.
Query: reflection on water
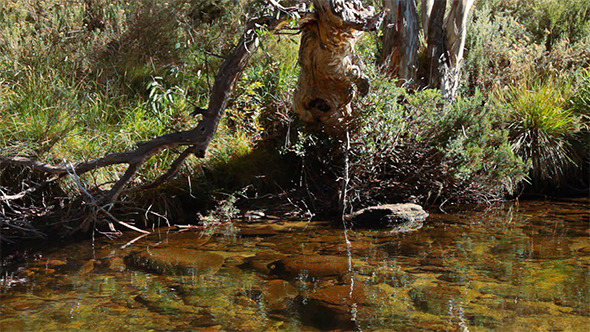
(509, 268)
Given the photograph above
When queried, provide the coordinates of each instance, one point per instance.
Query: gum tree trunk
(399, 57)
(331, 75)
(456, 33)
(444, 42)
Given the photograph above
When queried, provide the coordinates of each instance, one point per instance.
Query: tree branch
(197, 138)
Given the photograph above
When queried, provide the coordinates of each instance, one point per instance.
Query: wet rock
(478, 319)
(398, 217)
(437, 300)
(257, 232)
(318, 266)
(404, 248)
(260, 261)
(584, 251)
(550, 247)
(204, 319)
(334, 307)
(117, 264)
(176, 261)
(279, 294)
(455, 277)
(505, 291)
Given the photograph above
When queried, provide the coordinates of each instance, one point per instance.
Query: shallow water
(519, 267)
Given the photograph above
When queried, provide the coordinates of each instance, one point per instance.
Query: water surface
(522, 267)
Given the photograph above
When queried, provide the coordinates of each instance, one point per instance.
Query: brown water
(510, 268)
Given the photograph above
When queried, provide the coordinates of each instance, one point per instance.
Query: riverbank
(82, 80)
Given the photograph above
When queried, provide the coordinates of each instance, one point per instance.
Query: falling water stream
(515, 267)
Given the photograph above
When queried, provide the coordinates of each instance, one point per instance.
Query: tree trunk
(331, 75)
(456, 33)
(426, 11)
(399, 57)
(444, 37)
(435, 38)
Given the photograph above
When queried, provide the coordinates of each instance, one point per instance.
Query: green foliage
(547, 21)
(511, 42)
(431, 151)
(580, 100)
(82, 79)
(541, 128)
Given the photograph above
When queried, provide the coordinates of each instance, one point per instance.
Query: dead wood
(331, 76)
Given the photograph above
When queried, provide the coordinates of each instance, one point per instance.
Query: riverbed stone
(314, 266)
(337, 306)
(260, 261)
(279, 294)
(251, 231)
(436, 299)
(397, 217)
(176, 261)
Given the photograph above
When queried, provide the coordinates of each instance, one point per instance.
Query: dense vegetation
(79, 79)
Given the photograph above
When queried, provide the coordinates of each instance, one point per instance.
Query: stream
(512, 267)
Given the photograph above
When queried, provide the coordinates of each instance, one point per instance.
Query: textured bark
(426, 11)
(456, 33)
(444, 37)
(331, 75)
(399, 57)
(435, 38)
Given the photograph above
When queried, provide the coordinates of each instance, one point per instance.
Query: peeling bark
(331, 75)
(456, 33)
(444, 37)
(435, 38)
(399, 57)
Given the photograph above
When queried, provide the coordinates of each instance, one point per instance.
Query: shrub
(433, 151)
(510, 42)
(415, 147)
(542, 128)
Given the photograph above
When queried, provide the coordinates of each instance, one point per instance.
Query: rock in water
(399, 217)
(176, 261)
(317, 266)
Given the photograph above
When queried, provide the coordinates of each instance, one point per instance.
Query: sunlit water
(511, 268)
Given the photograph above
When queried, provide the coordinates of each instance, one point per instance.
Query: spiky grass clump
(541, 128)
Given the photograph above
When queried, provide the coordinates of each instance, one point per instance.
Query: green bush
(542, 128)
(414, 147)
(511, 42)
(432, 151)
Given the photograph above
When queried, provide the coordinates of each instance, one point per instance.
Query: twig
(122, 223)
(133, 241)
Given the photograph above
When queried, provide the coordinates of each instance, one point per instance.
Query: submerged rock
(278, 294)
(176, 261)
(318, 266)
(336, 307)
(399, 217)
(260, 261)
(436, 300)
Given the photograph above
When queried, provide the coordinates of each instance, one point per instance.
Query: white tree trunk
(400, 41)
(426, 11)
(455, 33)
